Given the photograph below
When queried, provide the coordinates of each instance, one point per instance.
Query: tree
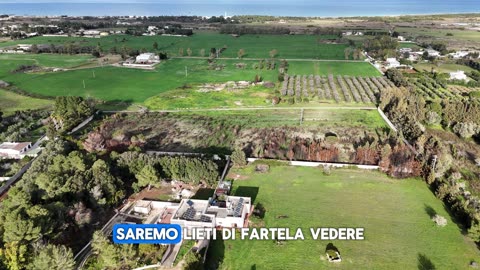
(397, 77)
(241, 53)
(180, 52)
(202, 52)
(347, 52)
(273, 53)
(474, 232)
(238, 157)
(19, 228)
(148, 176)
(34, 48)
(107, 253)
(189, 52)
(192, 261)
(51, 257)
(14, 254)
(155, 45)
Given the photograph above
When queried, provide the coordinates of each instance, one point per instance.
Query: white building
(152, 28)
(91, 32)
(400, 38)
(25, 47)
(459, 54)
(392, 63)
(14, 150)
(458, 75)
(433, 53)
(147, 58)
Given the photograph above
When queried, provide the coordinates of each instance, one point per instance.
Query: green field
(45, 60)
(135, 86)
(11, 102)
(131, 85)
(335, 68)
(255, 46)
(408, 45)
(395, 214)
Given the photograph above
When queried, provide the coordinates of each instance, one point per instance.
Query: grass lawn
(255, 46)
(11, 102)
(395, 214)
(335, 68)
(442, 68)
(46, 60)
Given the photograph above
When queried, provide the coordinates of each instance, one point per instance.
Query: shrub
(238, 158)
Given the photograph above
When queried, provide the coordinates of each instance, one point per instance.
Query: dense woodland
(68, 192)
(68, 112)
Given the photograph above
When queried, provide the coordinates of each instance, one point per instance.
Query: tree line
(444, 166)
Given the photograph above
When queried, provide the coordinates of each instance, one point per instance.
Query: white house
(14, 150)
(400, 38)
(458, 75)
(392, 63)
(201, 213)
(152, 28)
(25, 47)
(433, 53)
(147, 58)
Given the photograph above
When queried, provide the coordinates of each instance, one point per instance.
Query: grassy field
(135, 86)
(131, 85)
(395, 214)
(46, 60)
(255, 46)
(335, 68)
(11, 102)
(442, 68)
(314, 117)
(408, 45)
(463, 35)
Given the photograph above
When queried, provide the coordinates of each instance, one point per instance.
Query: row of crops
(431, 89)
(338, 88)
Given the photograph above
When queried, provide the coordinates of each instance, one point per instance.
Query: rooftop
(14, 146)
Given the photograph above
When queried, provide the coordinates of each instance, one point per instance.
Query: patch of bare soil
(236, 176)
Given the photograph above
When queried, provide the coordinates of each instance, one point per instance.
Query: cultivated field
(336, 88)
(399, 233)
(255, 46)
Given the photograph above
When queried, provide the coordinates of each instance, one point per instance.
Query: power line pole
(83, 84)
(93, 72)
(186, 71)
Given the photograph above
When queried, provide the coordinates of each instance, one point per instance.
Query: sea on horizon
(344, 8)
